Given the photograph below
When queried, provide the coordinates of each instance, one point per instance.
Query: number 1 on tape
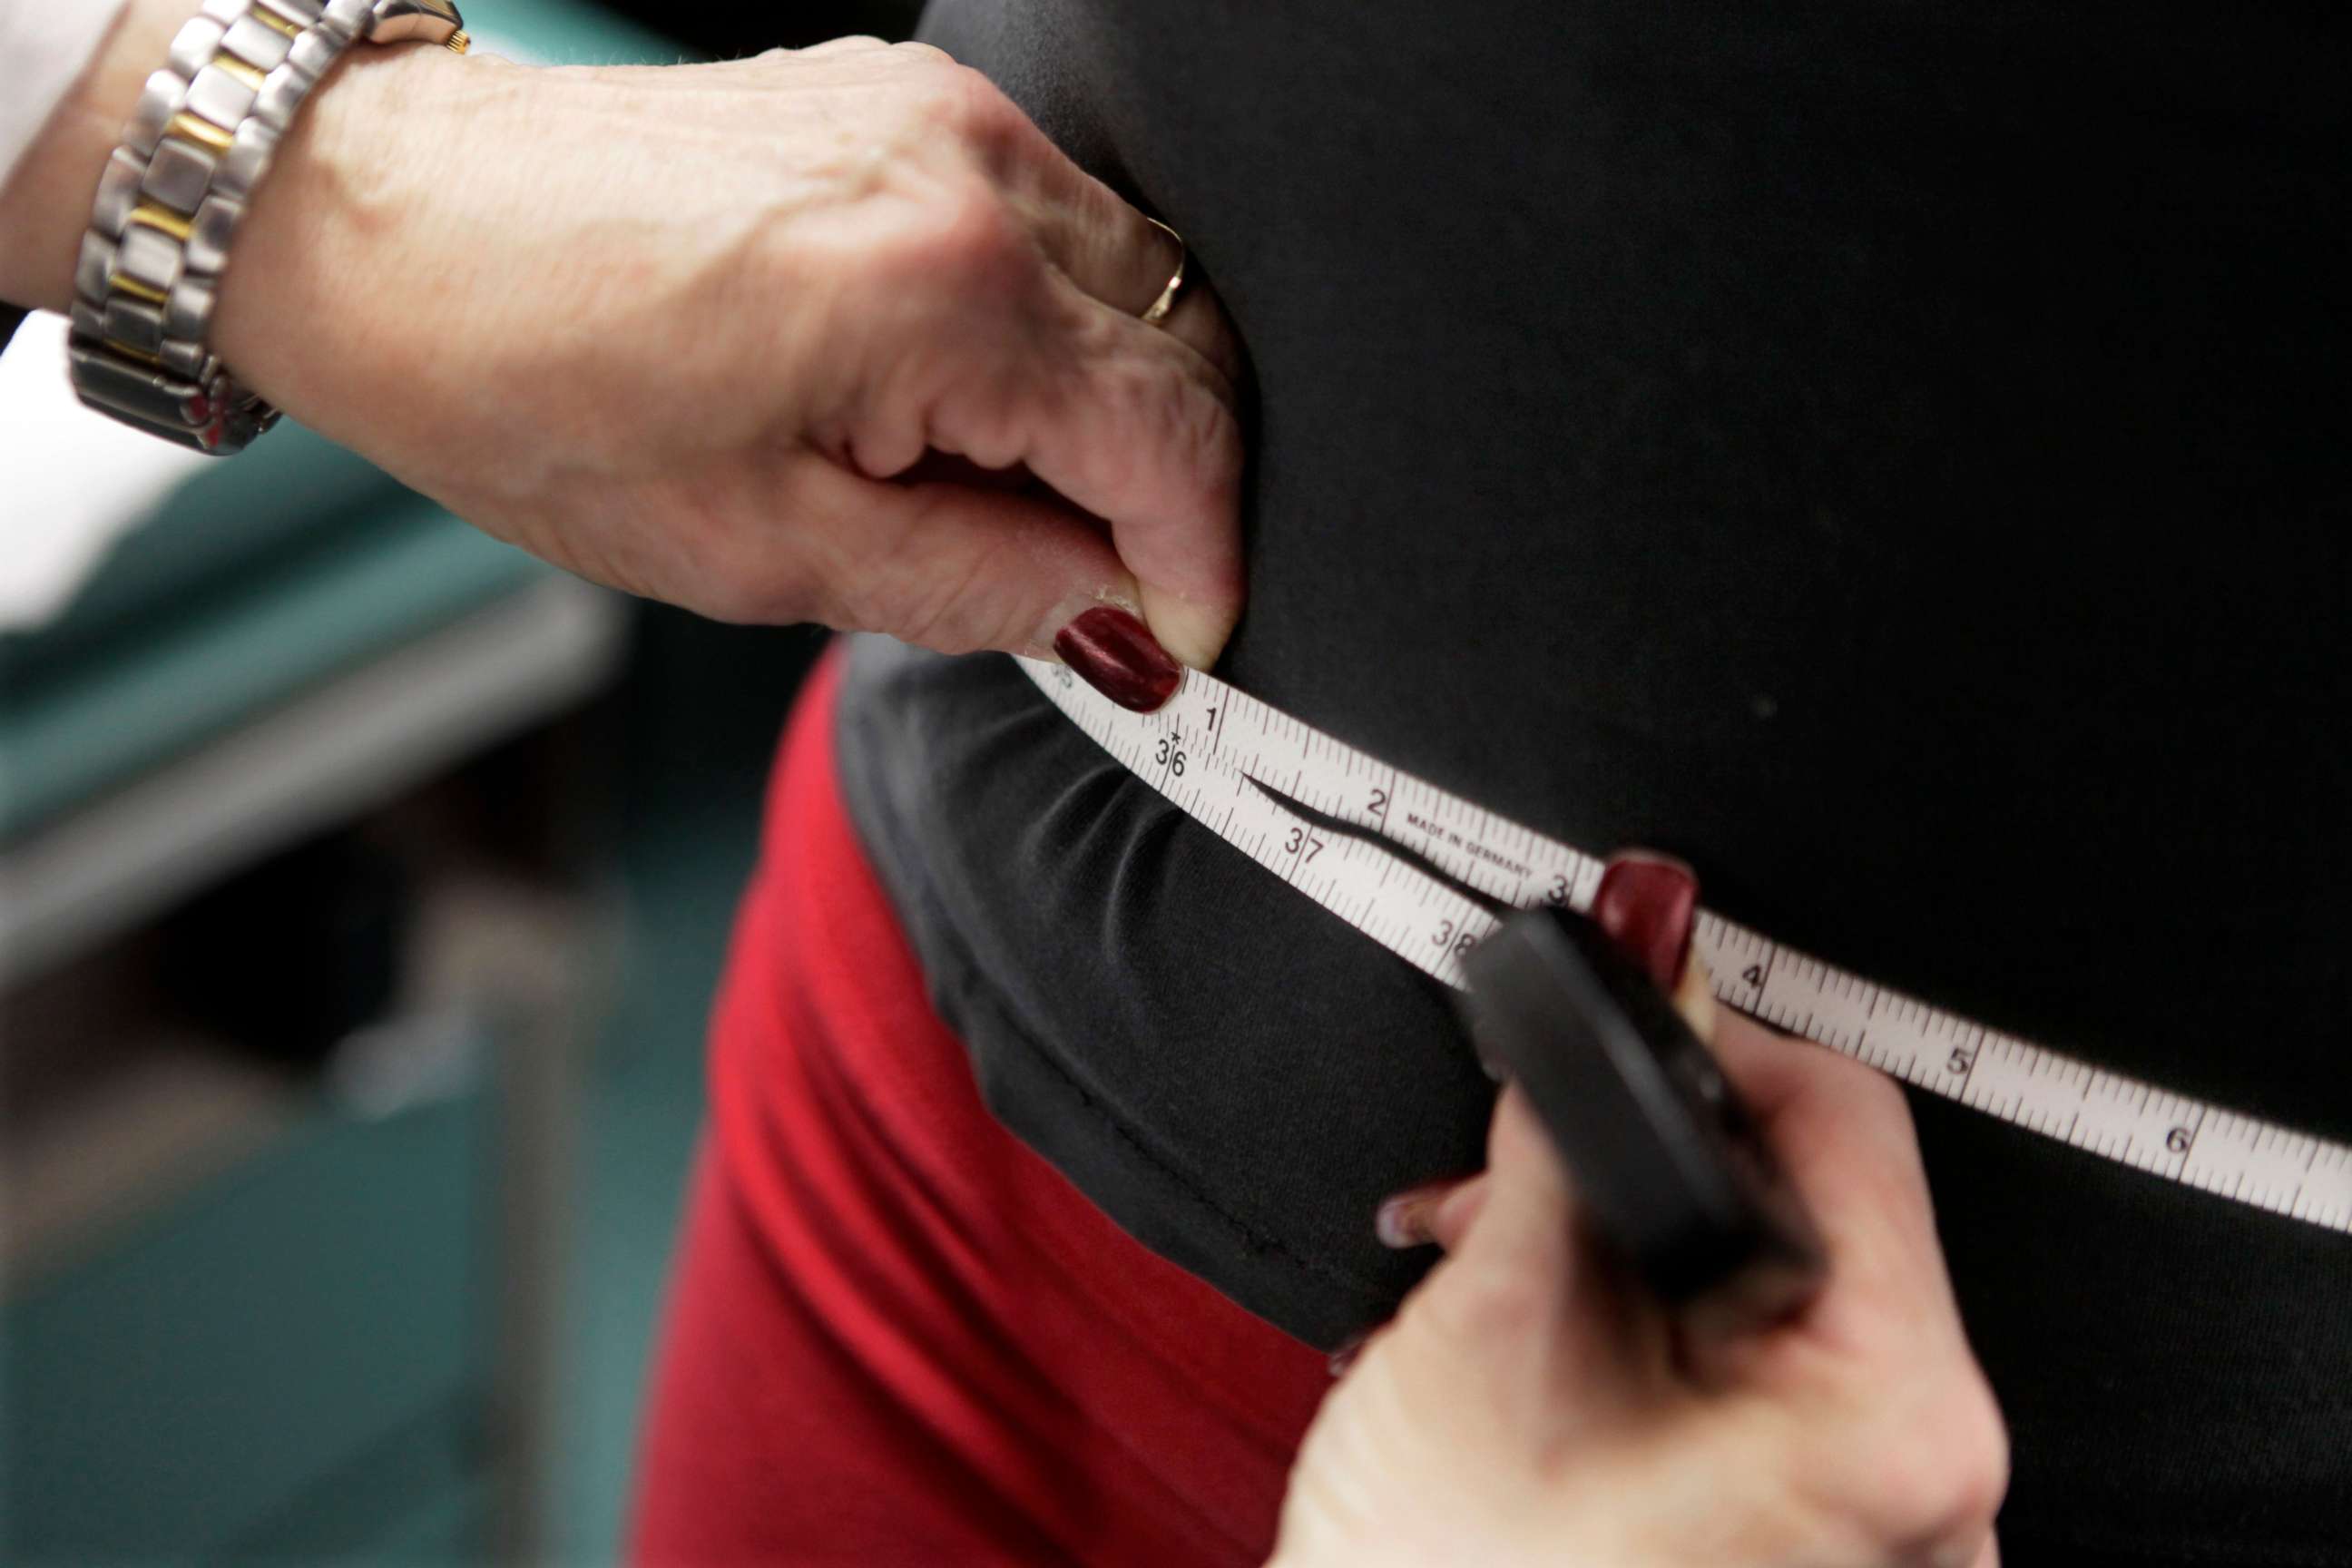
(1328, 819)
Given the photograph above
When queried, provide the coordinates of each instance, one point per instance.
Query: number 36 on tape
(1347, 831)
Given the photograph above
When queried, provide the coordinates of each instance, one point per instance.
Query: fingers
(1121, 262)
(1127, 262)
(1109, 249)
(996, 320)
(1435, 1212)
(1844, 1134)
(1150, 443)
(1527, 1285)
(1135, 428)
(1842, 1131)
(952, 566)
(1646, 903)
(1909, 1395)
(1451, 1220)
(1517, 1226)
(1878, 1365)
(1529, 1207)
(1867, 1408)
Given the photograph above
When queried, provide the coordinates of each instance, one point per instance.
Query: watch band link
(197, 145)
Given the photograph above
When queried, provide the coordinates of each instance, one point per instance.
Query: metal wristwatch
(196, 148)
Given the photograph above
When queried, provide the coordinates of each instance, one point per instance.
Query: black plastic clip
(1656, 1140)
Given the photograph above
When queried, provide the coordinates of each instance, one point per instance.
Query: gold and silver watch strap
(204, 131)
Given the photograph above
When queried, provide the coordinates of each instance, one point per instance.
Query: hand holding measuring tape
(831, 334)
(1526, 1405)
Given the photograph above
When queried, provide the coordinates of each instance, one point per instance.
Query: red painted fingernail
(1647, 903)
(1119, 656)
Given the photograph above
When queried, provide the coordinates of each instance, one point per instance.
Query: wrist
(45, 206)
(316, 271)
(218, 102)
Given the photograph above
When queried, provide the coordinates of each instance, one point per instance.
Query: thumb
(1528, 1290)
(1128, 426)
(1529, 1224)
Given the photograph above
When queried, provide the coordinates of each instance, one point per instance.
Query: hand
(703, 332)
(1528, 1407)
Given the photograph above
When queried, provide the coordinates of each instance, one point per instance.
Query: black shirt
(1889, 456)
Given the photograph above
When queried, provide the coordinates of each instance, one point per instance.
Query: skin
(838, 336)
(1525, 1406)
(832, 335)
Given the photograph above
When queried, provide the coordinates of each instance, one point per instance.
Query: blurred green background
(363, 889)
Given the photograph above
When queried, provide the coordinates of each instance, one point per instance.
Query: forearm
(45, 206)
(691, 331)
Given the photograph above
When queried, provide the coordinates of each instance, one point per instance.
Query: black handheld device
(1657, 1141)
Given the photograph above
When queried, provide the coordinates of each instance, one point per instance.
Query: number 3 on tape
(1352, 833)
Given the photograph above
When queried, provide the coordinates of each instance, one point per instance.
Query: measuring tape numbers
(1355, 835)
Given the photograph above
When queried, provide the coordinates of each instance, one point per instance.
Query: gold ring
(1157, 311)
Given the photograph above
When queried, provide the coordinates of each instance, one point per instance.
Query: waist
(946, 1253)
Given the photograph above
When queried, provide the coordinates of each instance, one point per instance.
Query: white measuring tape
(1204, 748)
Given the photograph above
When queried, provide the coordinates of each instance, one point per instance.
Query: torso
(1884, 457)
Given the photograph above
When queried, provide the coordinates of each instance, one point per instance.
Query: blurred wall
(271, 1312)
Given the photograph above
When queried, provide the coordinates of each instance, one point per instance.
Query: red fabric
(895, 1335)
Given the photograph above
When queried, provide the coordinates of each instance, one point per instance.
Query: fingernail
(1647, 903)
(1118, 655)
(1345, 1356)
(1402, 1219)
(1194, 632)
